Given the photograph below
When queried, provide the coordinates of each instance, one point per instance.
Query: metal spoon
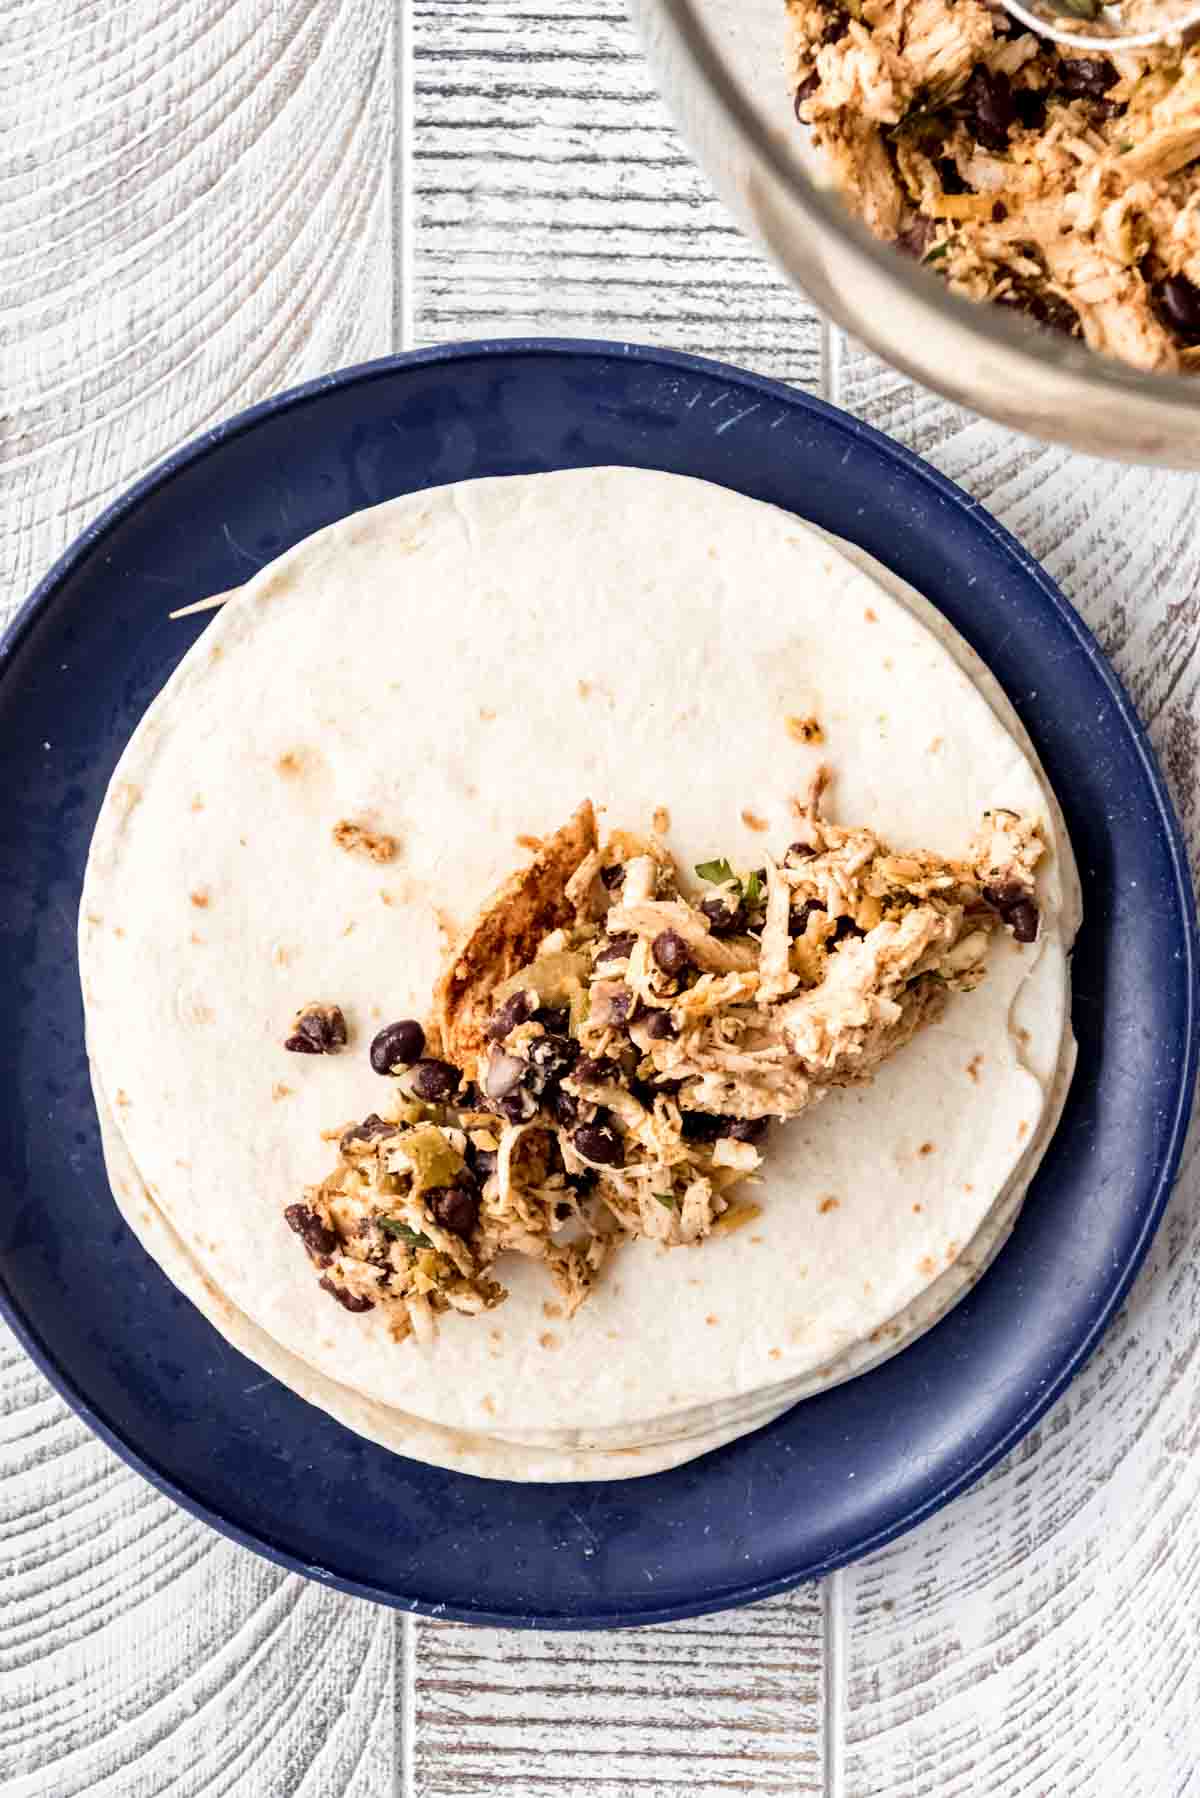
(1075, 23)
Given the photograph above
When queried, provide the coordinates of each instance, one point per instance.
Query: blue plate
(846, 1471)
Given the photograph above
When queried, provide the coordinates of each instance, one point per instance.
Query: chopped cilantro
(938, 251)
(752, 889)
(667, 1199)
(716, 872)
(391, 1226)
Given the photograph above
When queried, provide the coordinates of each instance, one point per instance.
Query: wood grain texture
(195, 211)
(551, 194)
(719, 1704)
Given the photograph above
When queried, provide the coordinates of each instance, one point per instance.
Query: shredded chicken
(621, 1083)
(1066, 186)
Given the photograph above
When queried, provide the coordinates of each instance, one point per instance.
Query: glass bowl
(721, 66)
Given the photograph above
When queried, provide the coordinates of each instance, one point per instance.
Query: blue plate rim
(1174, 1134)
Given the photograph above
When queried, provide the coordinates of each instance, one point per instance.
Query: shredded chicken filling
(629, 1073)
(1066, 186)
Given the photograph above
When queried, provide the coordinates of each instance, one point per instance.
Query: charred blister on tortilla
(621, 1081)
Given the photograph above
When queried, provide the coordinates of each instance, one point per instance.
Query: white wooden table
(202, 202)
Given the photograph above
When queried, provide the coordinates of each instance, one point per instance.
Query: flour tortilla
(463, 665)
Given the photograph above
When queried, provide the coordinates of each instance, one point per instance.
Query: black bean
(564, 1106)
(318, 1030)
(595, 1068)
(620, 1006)
(553, 1056)
(517, 1009)
(434, 1081)
(1029, 103)
(846, 927)
(613, 876)
(798, 918)
(989, 104)
(600, 1142)
(702, 1126)
(455, 1208)
(838, 26)
(555, 1020)
(1178, 304)
(661, 1027)
(671, 952)
(668, 1087)
(1086, 77)
(724, 915)
(470, 1098)
(1003, 896)
(345, 1298)
(397, 1046)
(807, 88)
(518, 1107)
(483, 1161)
(367, 1131)
(617, 948)
(562, 1211)
(318, 1238)
(748, 1129)
(582, 1183)
(1022, 920)
(799, 852)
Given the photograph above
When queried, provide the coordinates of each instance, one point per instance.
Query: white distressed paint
(198, 208)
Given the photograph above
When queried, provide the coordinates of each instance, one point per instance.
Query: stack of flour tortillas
(462, 667)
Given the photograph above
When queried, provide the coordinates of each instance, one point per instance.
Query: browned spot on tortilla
(359, 839)
(876, 1335)
(828, 1203)
(712, 1318)
(527, 842)
(867, 1286)
(774, 1354)
(179, 1163)
(927, 1148)
(661, 820)
(549, 1309)
(952, 1251)
(870, 616)
(505, 936)
(195, 937)
(281, 955)
(118, 930)
(935, 745)
(1022, 1034)
(583, 688)
(215, 653)
(94, 918)
(127, 795)
(927, 1265)
(918, 1207)
(197, 804)
(291, 763)
(489, 1404)
(201, 897)
(757, 1239)
(805, 730)
(447, 925)
(486, 713)
(280, 1091)
(973, 1067)
(351, 926)
(122, 1097)
(548, 1339)
(1022, 1127)
(888, 663)
(388, 898)
(967, 1187)
(752, 821)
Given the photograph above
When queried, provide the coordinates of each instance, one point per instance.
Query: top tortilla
(458, 667)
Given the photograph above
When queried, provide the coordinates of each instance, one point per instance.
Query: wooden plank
(552, 195)
(195, 211)
(1039, 1635)
(718, 1704)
